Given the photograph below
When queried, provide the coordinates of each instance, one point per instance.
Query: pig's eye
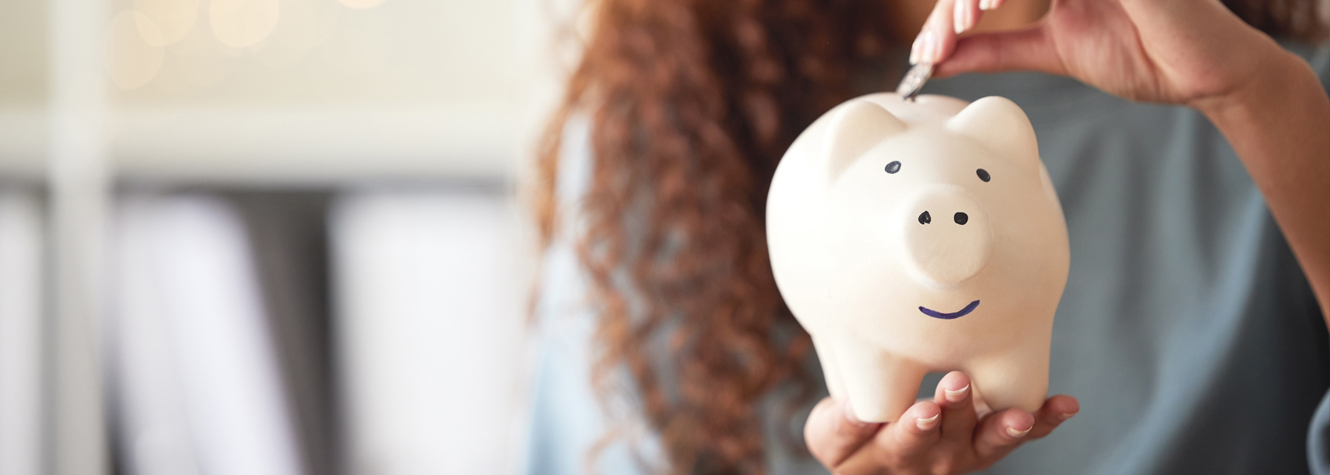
(983, 175)
(894, 167)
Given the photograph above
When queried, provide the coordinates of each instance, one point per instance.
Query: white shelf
(324, 145)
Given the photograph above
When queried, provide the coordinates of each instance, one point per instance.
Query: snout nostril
(962, 218)
(925, 218)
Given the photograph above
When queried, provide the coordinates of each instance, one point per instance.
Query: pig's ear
(1000, 125)
(857, 127)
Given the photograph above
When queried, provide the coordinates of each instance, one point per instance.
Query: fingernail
(927, 424)
(1066, 415)
(1017, 433)
(933, 49)
(915, 50)
(957, 395)
(924, 48)
(961, 19)
(958, 17)
(986, 4)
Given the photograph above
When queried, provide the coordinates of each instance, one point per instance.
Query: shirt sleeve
(1318, 440)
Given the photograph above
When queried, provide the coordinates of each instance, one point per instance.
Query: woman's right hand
(942, 436)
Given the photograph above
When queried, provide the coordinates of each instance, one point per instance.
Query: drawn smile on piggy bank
(950, 316)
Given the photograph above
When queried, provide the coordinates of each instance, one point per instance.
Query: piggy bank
(909, 237)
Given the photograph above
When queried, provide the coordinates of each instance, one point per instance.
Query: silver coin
(914, 80)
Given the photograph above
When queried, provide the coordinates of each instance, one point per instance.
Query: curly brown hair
(691, 104)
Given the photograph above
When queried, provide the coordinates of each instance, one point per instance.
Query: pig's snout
(947, 235)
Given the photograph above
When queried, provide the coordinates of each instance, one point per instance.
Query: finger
(1056, 410)
(1030, 49)
(833, 432)
(966, 14)
(991, 4)
(914, 433)
(937, 37)
(954, 395)
(1001, 432)
(899, 444)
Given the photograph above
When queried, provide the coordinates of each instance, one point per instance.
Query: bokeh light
(200, 60)
(243, 23)
(173, 18)
(304, 25)
(136, 53)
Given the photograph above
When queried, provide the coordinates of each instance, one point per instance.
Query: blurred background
(267, 236)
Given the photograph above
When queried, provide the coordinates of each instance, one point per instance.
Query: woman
(1199, 218)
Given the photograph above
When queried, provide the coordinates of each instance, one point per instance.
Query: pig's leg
(826, 354)
(881, 385)
(1018, 379)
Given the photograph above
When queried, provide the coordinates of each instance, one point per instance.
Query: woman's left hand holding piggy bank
(943, 436)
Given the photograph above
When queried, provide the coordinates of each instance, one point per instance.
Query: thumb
(1026, 50)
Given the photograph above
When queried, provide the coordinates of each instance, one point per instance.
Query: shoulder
(561, 275)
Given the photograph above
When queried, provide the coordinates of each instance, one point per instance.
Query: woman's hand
(942, 436)
(1267, 102)
(1171, 51)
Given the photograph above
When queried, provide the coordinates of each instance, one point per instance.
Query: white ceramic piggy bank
(910, 237)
